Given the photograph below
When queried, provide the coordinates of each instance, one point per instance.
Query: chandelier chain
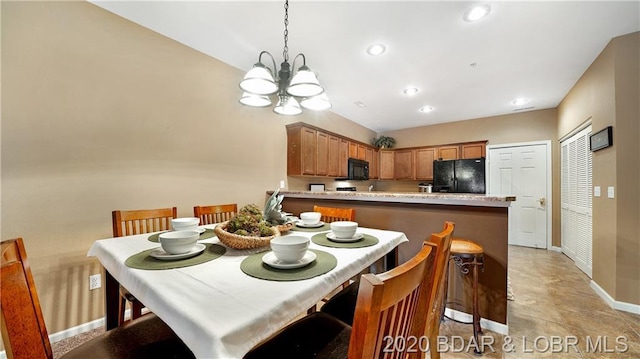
(285, 51)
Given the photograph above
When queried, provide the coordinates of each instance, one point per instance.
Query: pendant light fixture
(259, 83)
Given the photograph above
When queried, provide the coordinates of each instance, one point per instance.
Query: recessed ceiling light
(411, 91)
(426, 109)
(376, 49)
(360, 104)
(519, 101)
(476, 13)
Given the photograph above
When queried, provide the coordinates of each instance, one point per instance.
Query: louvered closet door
(576, 213)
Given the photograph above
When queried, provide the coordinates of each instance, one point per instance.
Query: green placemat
(208, 233)
(143, 260)
(325, 227)
(322, 240)
(253, 266)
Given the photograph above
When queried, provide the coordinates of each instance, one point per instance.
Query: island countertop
(461, 199)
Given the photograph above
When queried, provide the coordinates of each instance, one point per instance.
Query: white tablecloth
(215, 308)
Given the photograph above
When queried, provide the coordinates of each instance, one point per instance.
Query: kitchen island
(482, 218)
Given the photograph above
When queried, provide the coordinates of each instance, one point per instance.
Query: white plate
(201, 230)
(164, 256)
(302, 225)
(271, 260)
(355, 238)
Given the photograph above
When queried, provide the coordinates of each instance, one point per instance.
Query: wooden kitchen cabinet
(403, 164)
(369, 157)
(301, 151)
(362, 152)
(353, 150)
(386, 165)
(333, 158)
(344, 157)
(448, 152)
(322, 154)
(424, 158)
(374, 168)
(312, 151)
(473, 150)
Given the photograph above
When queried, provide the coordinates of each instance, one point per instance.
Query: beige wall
(99, 114)
(608, 94)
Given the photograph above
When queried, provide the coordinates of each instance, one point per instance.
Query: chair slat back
(443, 241)
(331, 214)
(126, 223)
(24, 333)
(386, 307)
(216, 213)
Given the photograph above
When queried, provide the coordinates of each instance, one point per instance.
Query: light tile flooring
(553, 302)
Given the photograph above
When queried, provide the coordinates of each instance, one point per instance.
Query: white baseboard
(556, 249)
(623, 306)
(484, 323)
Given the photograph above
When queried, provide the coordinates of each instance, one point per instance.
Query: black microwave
(358, 170)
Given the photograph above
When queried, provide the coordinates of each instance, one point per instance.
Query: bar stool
(466, 253)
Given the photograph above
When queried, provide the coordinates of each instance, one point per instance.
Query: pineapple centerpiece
(274, 215)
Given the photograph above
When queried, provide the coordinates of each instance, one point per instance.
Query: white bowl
(178, 242)
(289, 249)
(184, 224)
(310, 218)
(344, 229)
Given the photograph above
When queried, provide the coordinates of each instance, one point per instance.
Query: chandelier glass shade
(259, 83)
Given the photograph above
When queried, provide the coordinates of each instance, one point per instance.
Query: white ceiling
(532, 49)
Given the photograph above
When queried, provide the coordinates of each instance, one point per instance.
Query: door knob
(542, 201)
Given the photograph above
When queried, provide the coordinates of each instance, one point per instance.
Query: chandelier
(259, 83)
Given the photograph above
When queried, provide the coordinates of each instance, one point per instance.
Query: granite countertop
(467, 199)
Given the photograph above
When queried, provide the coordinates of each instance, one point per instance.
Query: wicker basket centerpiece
(246, 230)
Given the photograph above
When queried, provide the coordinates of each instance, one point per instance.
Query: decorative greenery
(384, 142)
(250, 222)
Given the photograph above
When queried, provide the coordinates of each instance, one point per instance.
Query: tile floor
(553, 303)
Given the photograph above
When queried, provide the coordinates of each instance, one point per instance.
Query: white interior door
(522, 170)
(576, 214)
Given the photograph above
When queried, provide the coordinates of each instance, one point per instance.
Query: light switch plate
(610, 193)
(596, 191)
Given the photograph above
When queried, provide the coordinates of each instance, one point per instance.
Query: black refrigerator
(459, 176)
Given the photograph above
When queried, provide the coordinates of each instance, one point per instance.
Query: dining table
(223, 302)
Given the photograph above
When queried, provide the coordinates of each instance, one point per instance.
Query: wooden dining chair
(25, 336)
(342, 305)
(386, 307)
(126, 223)
(216, 213)
(331, 214)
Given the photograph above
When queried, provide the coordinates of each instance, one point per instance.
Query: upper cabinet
(473, 150)
(386, 164)
(449, 152)
(424, 158)
(314, 152)
(416, 163)
(301, 151)
(403, 164)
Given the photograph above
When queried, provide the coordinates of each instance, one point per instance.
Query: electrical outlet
(95, 281)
